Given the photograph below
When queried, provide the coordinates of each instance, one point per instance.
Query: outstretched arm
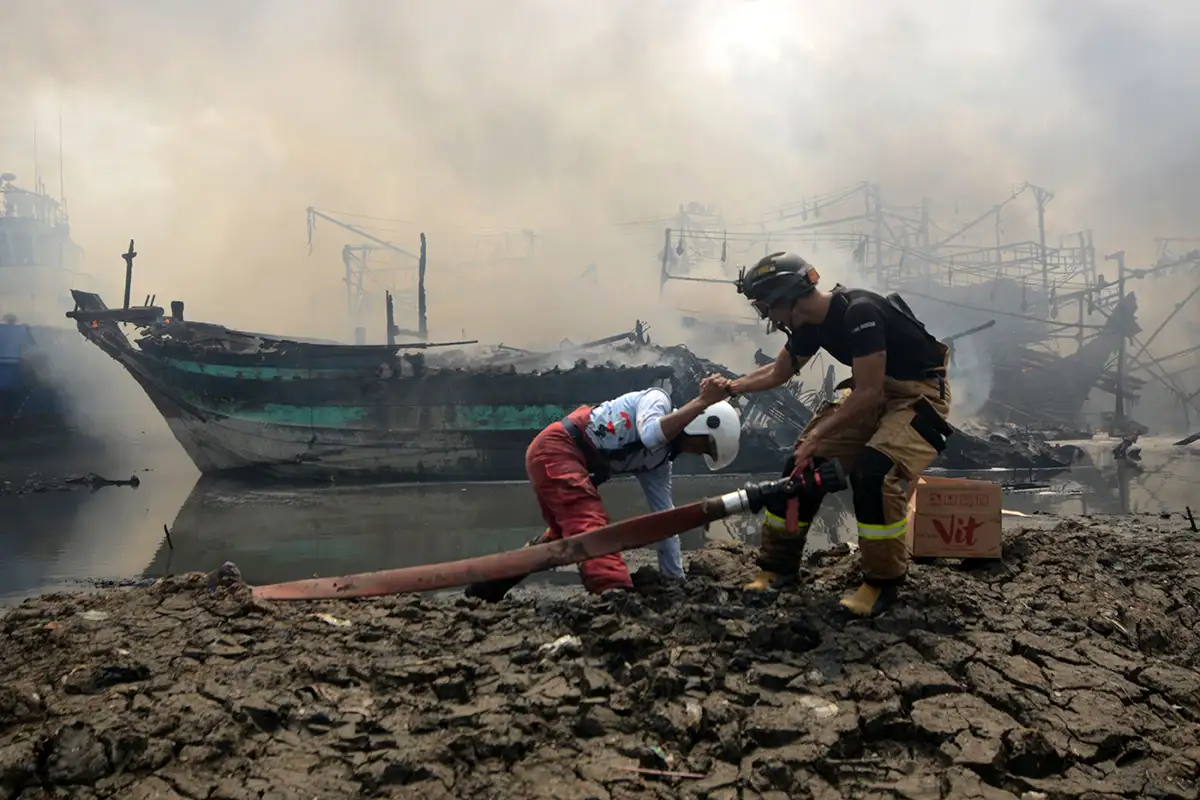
(711, 391)
(770, 376)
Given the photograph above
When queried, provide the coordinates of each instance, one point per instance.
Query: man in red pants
(637, 433)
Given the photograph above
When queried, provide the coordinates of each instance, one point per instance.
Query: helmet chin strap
(773, 326)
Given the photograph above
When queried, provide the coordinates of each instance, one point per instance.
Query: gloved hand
(803, 454)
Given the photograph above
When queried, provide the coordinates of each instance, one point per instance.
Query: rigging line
(829, 198)
(1055, 323)
(1186, 352)
(365, 216)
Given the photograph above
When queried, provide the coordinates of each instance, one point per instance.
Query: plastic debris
(563, 644)
(819, 706)
(695, 713)
(664, 758)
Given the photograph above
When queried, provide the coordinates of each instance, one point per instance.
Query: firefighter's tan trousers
(903, 446)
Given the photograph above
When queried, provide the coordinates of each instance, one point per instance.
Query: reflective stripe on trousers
(894, 530)
(778, 525)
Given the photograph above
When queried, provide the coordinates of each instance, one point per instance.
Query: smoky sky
(205, 129)
(1133, 72)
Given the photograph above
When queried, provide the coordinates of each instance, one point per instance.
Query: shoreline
(1069, 670)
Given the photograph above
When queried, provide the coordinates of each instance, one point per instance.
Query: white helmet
(721, 424)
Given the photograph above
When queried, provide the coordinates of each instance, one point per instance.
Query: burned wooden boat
(288, 408)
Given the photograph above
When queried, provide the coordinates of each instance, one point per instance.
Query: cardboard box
(954, 518)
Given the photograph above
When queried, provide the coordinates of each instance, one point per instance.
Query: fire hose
(627, 534)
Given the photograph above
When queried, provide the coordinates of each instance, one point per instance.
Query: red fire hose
(613, 538)
(616, 537)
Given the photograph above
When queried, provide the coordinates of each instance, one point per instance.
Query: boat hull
(286, 410)
(435, 428)
(231, 445)
(30, 403)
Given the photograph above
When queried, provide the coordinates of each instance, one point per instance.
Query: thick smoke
(204, 130)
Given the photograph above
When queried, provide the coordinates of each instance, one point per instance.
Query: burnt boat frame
(256, 405)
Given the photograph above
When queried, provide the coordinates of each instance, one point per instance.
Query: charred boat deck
(242, 402)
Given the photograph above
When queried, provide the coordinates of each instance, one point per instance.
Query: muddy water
(60, 539)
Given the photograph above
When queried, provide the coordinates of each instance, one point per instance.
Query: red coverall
(570, 502)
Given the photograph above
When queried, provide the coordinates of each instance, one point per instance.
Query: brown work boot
(868, 600)
(778, 556)
(766, 581)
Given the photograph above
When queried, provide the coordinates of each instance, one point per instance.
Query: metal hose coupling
(811, 483)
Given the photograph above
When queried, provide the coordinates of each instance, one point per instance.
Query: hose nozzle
(811, 483)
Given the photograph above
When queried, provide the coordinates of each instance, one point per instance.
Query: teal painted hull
(463, 419)
(248, 403)
(456, 425)
(259, 373)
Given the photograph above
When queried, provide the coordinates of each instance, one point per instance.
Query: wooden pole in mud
(128, 256)
(422, 324)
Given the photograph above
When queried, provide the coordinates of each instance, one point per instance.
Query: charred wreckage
(1059, 331)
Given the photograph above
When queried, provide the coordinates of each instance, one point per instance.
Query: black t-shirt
(861, 323)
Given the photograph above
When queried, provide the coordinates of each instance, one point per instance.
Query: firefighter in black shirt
(890, 427)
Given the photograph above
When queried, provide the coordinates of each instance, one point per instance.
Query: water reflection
(1166, 479)
(53, 539)
(280, 534)
(284, 534)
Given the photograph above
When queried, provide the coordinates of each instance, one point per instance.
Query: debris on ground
(1127, 449)
(1119, 427)
(979, 446)
(36, 484)
(1067, 671)
(1195, 437)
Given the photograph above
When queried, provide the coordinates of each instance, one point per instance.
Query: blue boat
(38, 263)
(26, 396)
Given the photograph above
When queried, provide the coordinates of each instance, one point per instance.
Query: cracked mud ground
(1071, 671)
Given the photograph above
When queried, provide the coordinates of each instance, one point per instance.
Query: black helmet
(777, 278)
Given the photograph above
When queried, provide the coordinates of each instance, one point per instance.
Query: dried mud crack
(1071, 671)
